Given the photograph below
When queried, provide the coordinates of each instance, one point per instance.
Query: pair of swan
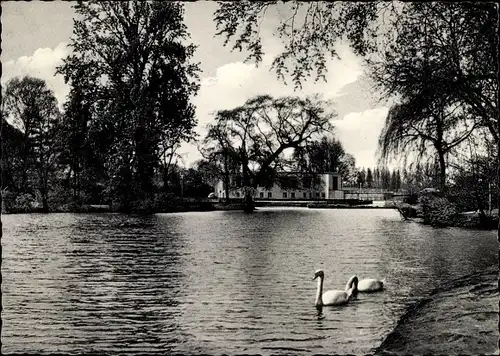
(341, 297)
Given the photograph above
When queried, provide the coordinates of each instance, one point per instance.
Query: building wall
(329, 188)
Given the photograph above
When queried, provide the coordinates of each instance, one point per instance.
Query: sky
(35, 36)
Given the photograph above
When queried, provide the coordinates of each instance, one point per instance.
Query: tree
(32, 106)
(451, 48)
(412, 127)
(385, 177)
(12, 150)
(361, 178)
(369, 178)
(209, 171)
(324, 155)
(376, 177)
(139, 82)
(462, 38)
(394, 181)
(398, 180)
(310, 32)
(348, 170)
(194, 185)
(260, 131)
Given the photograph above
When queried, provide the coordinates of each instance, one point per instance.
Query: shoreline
(205, 206)
(421, 330)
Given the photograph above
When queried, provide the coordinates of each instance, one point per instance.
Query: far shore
(199, 205)
(211, 205)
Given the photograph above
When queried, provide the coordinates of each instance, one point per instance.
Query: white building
(326, 186)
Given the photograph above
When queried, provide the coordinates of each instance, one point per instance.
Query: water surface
(219, 282)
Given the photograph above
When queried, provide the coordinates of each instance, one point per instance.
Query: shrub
(438, 211)
(19, 203)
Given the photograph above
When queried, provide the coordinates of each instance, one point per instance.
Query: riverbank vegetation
(131, 74)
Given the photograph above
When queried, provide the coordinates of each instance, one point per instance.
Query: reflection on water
(217, 282)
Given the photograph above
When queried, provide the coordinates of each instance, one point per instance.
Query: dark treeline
(379, 178)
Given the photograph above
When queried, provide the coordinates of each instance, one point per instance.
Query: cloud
(42, 64)
(358, 124)
(359, 132)
(236, 82)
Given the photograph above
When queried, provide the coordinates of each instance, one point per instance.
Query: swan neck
(319, 292)
(352, 281)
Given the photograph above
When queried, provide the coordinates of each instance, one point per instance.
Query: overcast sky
(35, 37)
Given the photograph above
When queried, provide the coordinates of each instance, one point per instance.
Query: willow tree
(262, 130)
(414, 126)
(139, 61)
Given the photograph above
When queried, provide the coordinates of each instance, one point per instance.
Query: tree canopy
(32, 107)
(258, 133)
(131, 80)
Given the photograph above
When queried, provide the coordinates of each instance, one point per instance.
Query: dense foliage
(31, 146)
(128, 110)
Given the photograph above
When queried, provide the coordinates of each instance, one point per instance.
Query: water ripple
(219, 282)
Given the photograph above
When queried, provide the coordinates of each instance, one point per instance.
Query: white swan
(333, 297)
(369, 285)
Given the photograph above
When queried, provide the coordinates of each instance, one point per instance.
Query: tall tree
(137, 56)
(348, 170)
(369, 178)
(32, 107)
(449, 50)
(376, 177)
(398, 180)
(361, 178)
(218, 150)
(260, 131)
(394, 181)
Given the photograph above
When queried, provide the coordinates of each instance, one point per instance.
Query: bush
(19, 203)
(412, 199)
(438, 211)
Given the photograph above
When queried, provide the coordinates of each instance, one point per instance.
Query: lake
(220, 282)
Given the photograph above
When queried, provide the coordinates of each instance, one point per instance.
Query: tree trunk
(248, 204)
(226, 177)
(440, 151)
(442, 171)
(45, 200)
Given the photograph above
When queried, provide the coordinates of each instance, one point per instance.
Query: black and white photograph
(249, 178)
